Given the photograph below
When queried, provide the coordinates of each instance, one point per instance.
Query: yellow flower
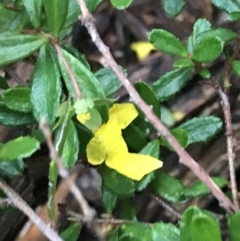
(82, 118)
(108, 145)
(142, 49)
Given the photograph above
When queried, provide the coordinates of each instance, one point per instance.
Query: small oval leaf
(46, 86)
(168, 187)
(10, 117)
(15, 47)
(167, 42)
(33, 8)
(171, 83)
(21, 147)
(121, 4)
(108, 80)
(165, 232)
(202, 129)
(208, 49)
(173, 7)
(56, 12)
(148, 96)
(233, 224)
(18, 99)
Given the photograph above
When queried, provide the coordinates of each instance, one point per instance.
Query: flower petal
(134, 166)
(106, 143)
(125, 114)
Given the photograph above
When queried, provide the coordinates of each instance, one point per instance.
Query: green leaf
(205, 228)
(12, 21)
(56, 12)
(21, 147)
(52, 185)
(202, 129)
(33, 8)
(165, 232)
(171, 83)
(109, 199)
(205, 73)
(10, 117)
(151, 149)
(3, 83)
(235, 16)
(71, 233)
(92, 4)
(121, 4)
(233, 224)
(194, 218)
(46, 86)
(134, 137)
(167, 42)
(166, 116)
(168, 187)
(87, 82)
(185, 224)
(116, 182)
(225, 35)
(181, 136)
(180, 63)
(173, 7)
(18, 99)
(11, 169)
(70, 143)
(236, 67)
(108, 80)
(200, 26)
(84, 136)
(200, 189)
(76, 54)
(128, 210)
(148, 96)
(208, 49)
(229, 6)
(139, 231)
(15, 47)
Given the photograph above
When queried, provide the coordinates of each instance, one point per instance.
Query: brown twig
(112, 221)
(68, 69)
(167, 206)
(185, 158)
(18, 202)
(230, 142)
(88, 212)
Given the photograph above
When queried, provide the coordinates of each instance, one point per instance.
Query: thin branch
(166, 205)
(88, 212)
(70, 73)
(112, 221)
(185, 158)
(18, 202)
(230, 143)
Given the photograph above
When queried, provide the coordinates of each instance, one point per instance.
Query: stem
(88, 212)
(167, 206)
(18, 202)
(230, 144)
(71, 75)
(185, 158)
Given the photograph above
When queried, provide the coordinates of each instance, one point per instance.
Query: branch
(185, 158)
(18, 202)
(167, 206)
(70, 73)
(88, 213)
(230, 143)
